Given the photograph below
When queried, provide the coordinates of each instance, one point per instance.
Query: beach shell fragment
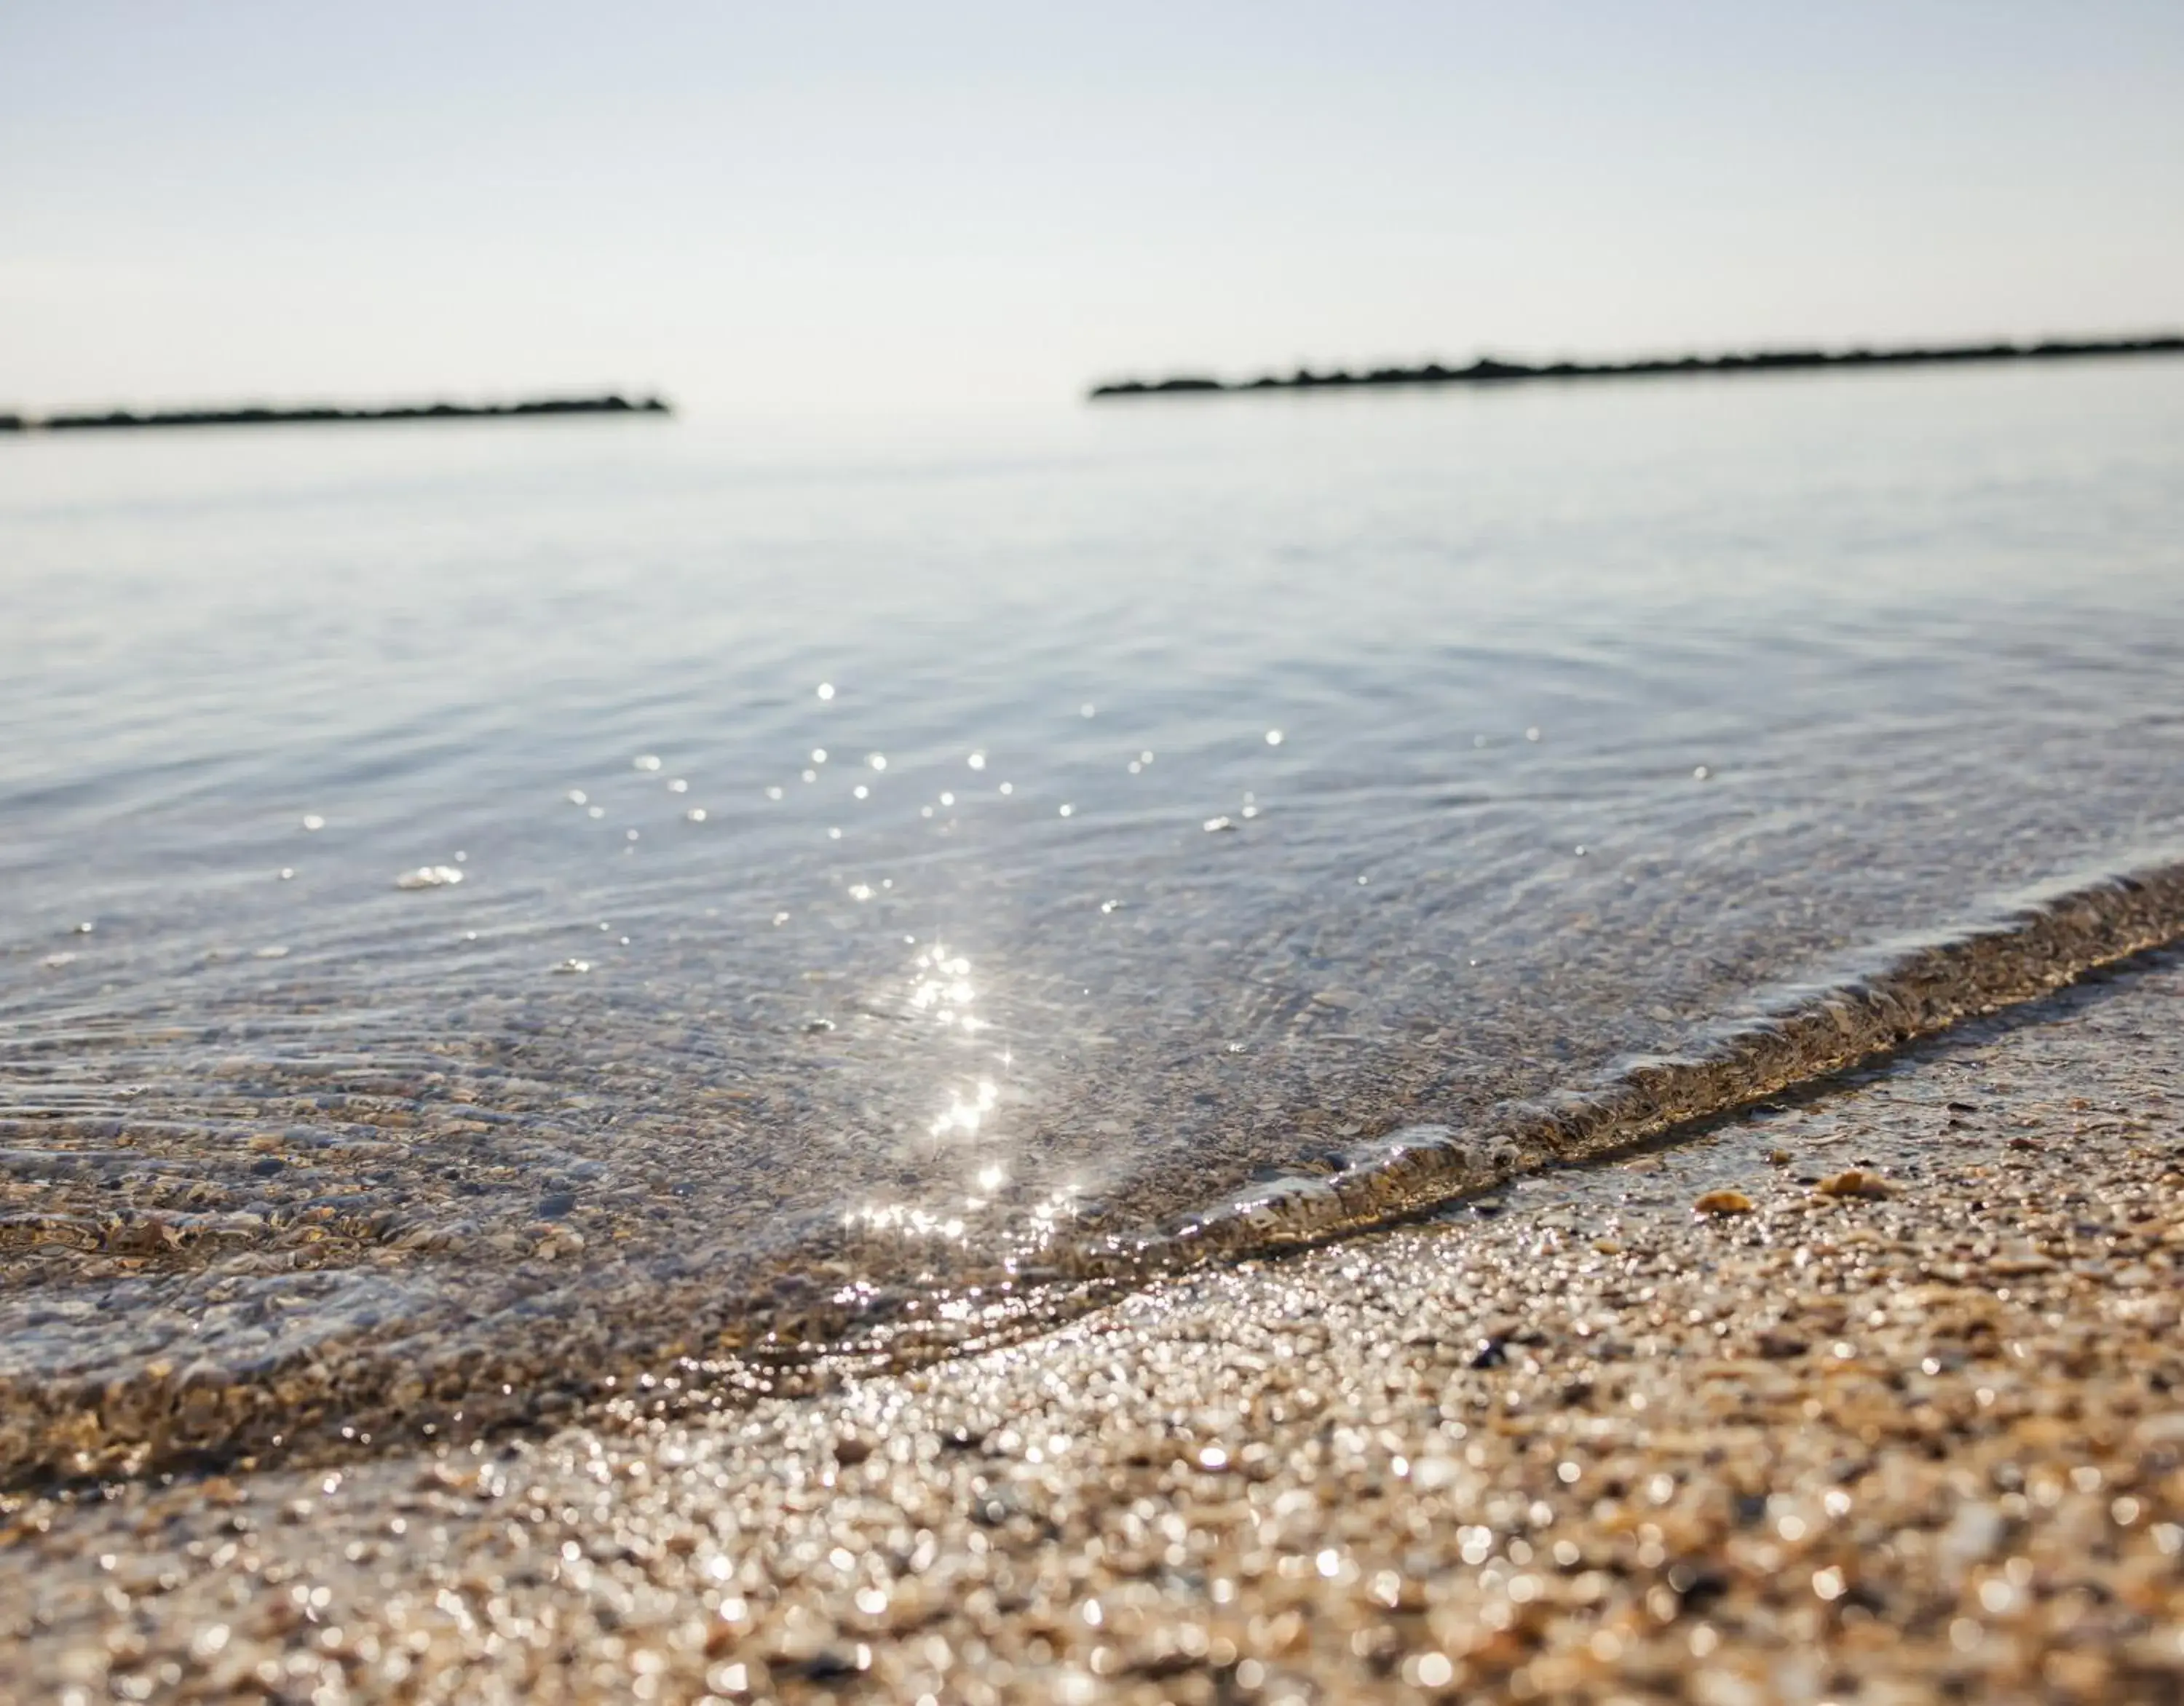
(1855, 1182)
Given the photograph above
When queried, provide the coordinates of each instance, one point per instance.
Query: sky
(848, 208)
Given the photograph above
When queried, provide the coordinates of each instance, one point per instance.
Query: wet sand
(1896, 1418)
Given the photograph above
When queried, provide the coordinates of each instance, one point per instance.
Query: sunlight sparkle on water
(904, 1220)
(965, 1115)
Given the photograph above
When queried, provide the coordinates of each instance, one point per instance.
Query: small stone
(1724, 1203)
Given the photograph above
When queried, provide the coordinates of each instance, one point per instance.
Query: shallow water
(1209, 787)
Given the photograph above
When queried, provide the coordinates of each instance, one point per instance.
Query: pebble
(430, 876)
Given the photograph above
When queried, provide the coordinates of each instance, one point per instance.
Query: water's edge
(1806, 1032)
(657, 1345)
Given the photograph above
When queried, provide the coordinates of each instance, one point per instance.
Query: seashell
(1855, 1182)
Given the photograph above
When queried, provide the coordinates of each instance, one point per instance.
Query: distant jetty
(259, 415)
(1487, 370)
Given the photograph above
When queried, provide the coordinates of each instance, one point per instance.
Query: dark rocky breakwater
(1488, 370)
(261, 415)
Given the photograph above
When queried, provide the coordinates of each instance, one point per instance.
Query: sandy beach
(1893, 1418)
(1353, 872)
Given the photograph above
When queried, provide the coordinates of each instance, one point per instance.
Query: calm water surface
(934, 845)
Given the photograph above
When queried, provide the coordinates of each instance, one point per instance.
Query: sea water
(455, 880)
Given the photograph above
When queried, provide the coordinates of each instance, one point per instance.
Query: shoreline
(533, 1338)
(1900, 1420)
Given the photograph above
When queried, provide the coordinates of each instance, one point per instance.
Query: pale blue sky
(890, 208)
